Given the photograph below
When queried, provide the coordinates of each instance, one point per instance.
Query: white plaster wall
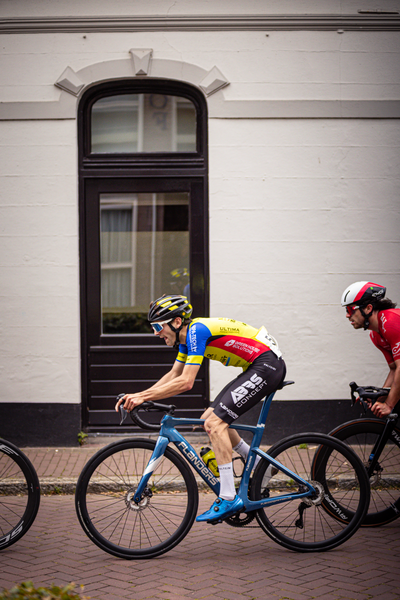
(39, 289)
(295, 65)
(46, 8)
(298, 208)
(300, 211)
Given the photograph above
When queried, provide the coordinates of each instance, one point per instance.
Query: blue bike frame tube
(168, 434)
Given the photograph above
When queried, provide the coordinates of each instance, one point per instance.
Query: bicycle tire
(339, 475)
(19, 494)
(110, 518)
(361, 436)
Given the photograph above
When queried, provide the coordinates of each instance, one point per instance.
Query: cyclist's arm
(176, 371)
(177, 381)
(382, 409)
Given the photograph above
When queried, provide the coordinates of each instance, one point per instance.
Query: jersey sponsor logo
(396, 350)
(383, 322)
(242, 346)
(247, 390)
(229, 411)
(269, 366)
(193, 339)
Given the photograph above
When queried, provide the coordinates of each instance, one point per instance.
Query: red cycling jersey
(388, 338)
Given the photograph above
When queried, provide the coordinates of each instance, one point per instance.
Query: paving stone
(211, 563)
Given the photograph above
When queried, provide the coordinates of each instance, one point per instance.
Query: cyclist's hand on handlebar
(381, 409)
(129, 401)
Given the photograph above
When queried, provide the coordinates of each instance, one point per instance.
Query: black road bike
(19, 494)
(377, 443)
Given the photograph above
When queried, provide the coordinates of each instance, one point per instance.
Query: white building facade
(247, 154)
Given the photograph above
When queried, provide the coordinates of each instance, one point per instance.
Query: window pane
(131, 123)
(115, 124)
(144, 241)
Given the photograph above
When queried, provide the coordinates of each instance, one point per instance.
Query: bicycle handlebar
(370, 392)
(147, 407)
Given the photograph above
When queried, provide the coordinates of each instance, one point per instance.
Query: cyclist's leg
(272, 372)
(262, 377)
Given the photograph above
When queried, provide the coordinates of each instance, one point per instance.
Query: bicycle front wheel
(341, 488)
(111, 518)
(19, 494)
(361, 436)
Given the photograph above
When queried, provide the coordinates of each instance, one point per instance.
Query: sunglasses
(350, 310)
(158, 326)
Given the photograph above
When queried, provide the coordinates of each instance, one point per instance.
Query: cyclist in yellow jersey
(232, 343)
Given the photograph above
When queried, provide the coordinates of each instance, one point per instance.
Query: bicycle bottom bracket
(144, 502)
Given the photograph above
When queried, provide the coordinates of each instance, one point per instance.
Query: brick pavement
(221, 563)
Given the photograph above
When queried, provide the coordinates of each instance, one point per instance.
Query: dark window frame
(171, 171)
(173, 160)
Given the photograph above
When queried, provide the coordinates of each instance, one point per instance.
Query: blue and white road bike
(138, 498)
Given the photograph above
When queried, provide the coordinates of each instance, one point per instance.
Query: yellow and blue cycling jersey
(231, 342)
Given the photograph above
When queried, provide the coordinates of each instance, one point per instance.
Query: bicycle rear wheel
(361, 436)
(19, 494)
(341, 484)
(110, 517)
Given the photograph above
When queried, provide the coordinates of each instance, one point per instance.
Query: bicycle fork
(373, 461)
(156, 457)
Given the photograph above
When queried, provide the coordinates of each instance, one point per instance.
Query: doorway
(143, 233)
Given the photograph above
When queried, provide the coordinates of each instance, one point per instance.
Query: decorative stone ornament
(213, 81)
(70, 82)
(141, 60)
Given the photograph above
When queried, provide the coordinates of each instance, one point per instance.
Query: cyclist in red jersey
(367, 308)
(234, 344)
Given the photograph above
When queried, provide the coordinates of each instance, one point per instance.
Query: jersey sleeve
(197, 337)
(182, 353)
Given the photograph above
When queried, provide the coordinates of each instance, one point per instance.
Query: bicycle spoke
(105, 500)
(361, 436)
(306, 524)
(19, 494)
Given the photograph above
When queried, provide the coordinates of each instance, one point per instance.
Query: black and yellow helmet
(169, 307)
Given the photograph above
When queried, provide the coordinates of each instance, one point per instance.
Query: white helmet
(363, 293)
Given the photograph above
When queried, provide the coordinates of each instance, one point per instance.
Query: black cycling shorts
(264, 375)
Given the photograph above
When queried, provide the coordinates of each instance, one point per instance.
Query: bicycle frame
(168, 434)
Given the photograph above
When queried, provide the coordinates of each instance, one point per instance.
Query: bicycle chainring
(240, 519)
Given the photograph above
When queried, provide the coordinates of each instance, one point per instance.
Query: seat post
(266, 405)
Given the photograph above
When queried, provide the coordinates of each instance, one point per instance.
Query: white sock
(227, 485)
(243, 450)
